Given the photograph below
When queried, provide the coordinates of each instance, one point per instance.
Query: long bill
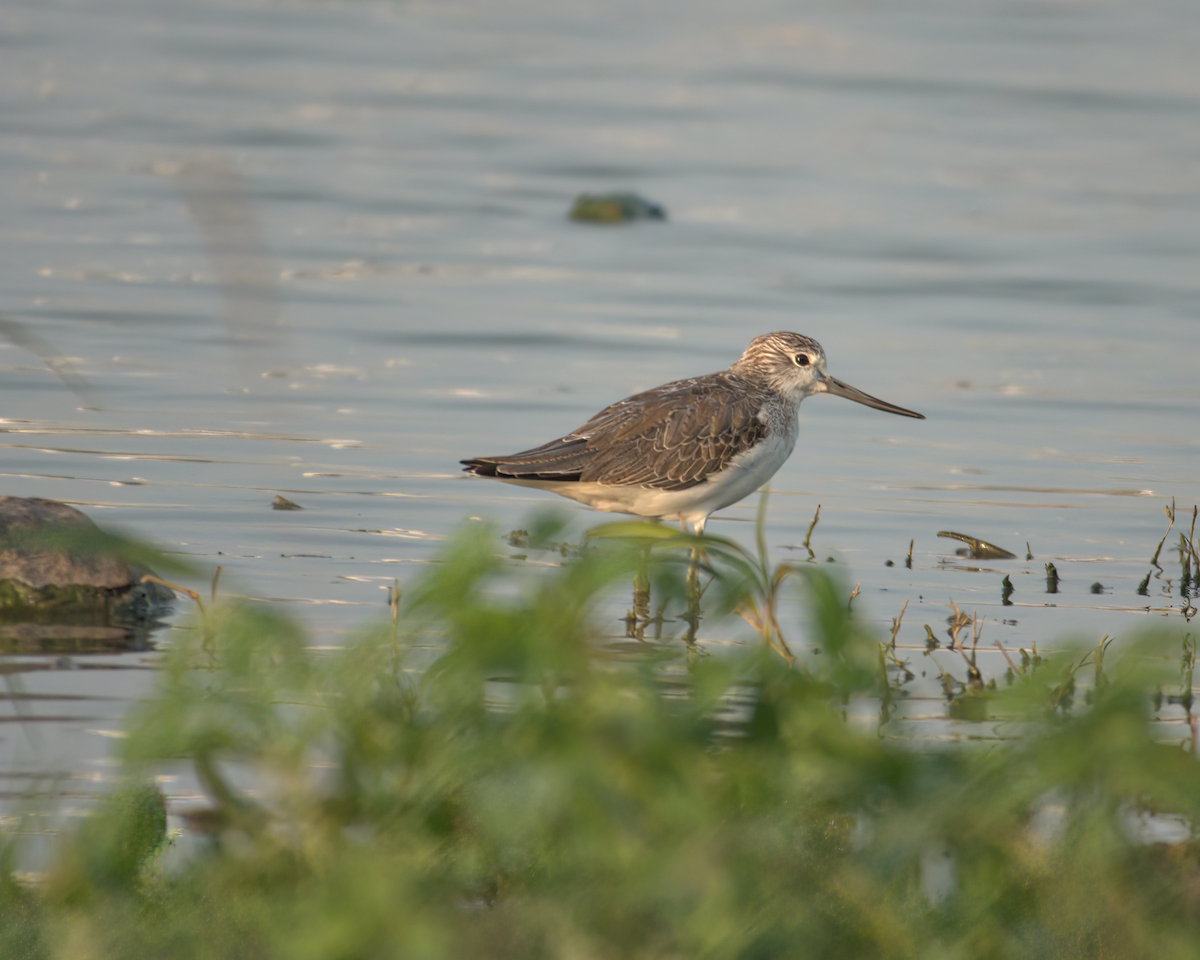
(839, 389)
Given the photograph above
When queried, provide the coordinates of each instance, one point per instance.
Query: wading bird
(689, 447)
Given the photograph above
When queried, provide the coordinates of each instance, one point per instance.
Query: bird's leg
(693, 578)
(692, 617)
(640, 615)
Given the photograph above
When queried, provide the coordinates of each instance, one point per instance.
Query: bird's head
(794, 365)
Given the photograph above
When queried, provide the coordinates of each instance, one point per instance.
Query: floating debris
(1051, 578)
(520, 540)
(283, 503)
(931, 642)
(614, 208)
(978, 549)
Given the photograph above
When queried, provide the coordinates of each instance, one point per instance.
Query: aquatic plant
(484, 781)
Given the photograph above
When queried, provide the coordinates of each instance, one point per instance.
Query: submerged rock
(64, 586)
(614, 208)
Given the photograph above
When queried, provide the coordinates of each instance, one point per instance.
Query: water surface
(985, 212)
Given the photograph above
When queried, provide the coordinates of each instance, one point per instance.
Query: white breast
(744, 474)
(748, 471)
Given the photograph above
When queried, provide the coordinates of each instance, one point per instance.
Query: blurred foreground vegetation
(526, 796)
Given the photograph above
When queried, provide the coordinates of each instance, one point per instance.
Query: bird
(690, 447)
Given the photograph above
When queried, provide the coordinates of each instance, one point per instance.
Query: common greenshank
(690, 447)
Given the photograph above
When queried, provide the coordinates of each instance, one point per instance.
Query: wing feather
(669, 438)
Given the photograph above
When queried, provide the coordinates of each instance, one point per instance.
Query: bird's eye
(801, 360)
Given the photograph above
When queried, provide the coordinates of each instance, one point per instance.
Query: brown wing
(670, 438)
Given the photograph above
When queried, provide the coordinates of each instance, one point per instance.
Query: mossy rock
(614, 208)
(60, 572)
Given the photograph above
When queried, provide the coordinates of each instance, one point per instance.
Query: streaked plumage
(688, 447)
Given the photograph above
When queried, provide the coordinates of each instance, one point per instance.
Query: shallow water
(984, 212)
